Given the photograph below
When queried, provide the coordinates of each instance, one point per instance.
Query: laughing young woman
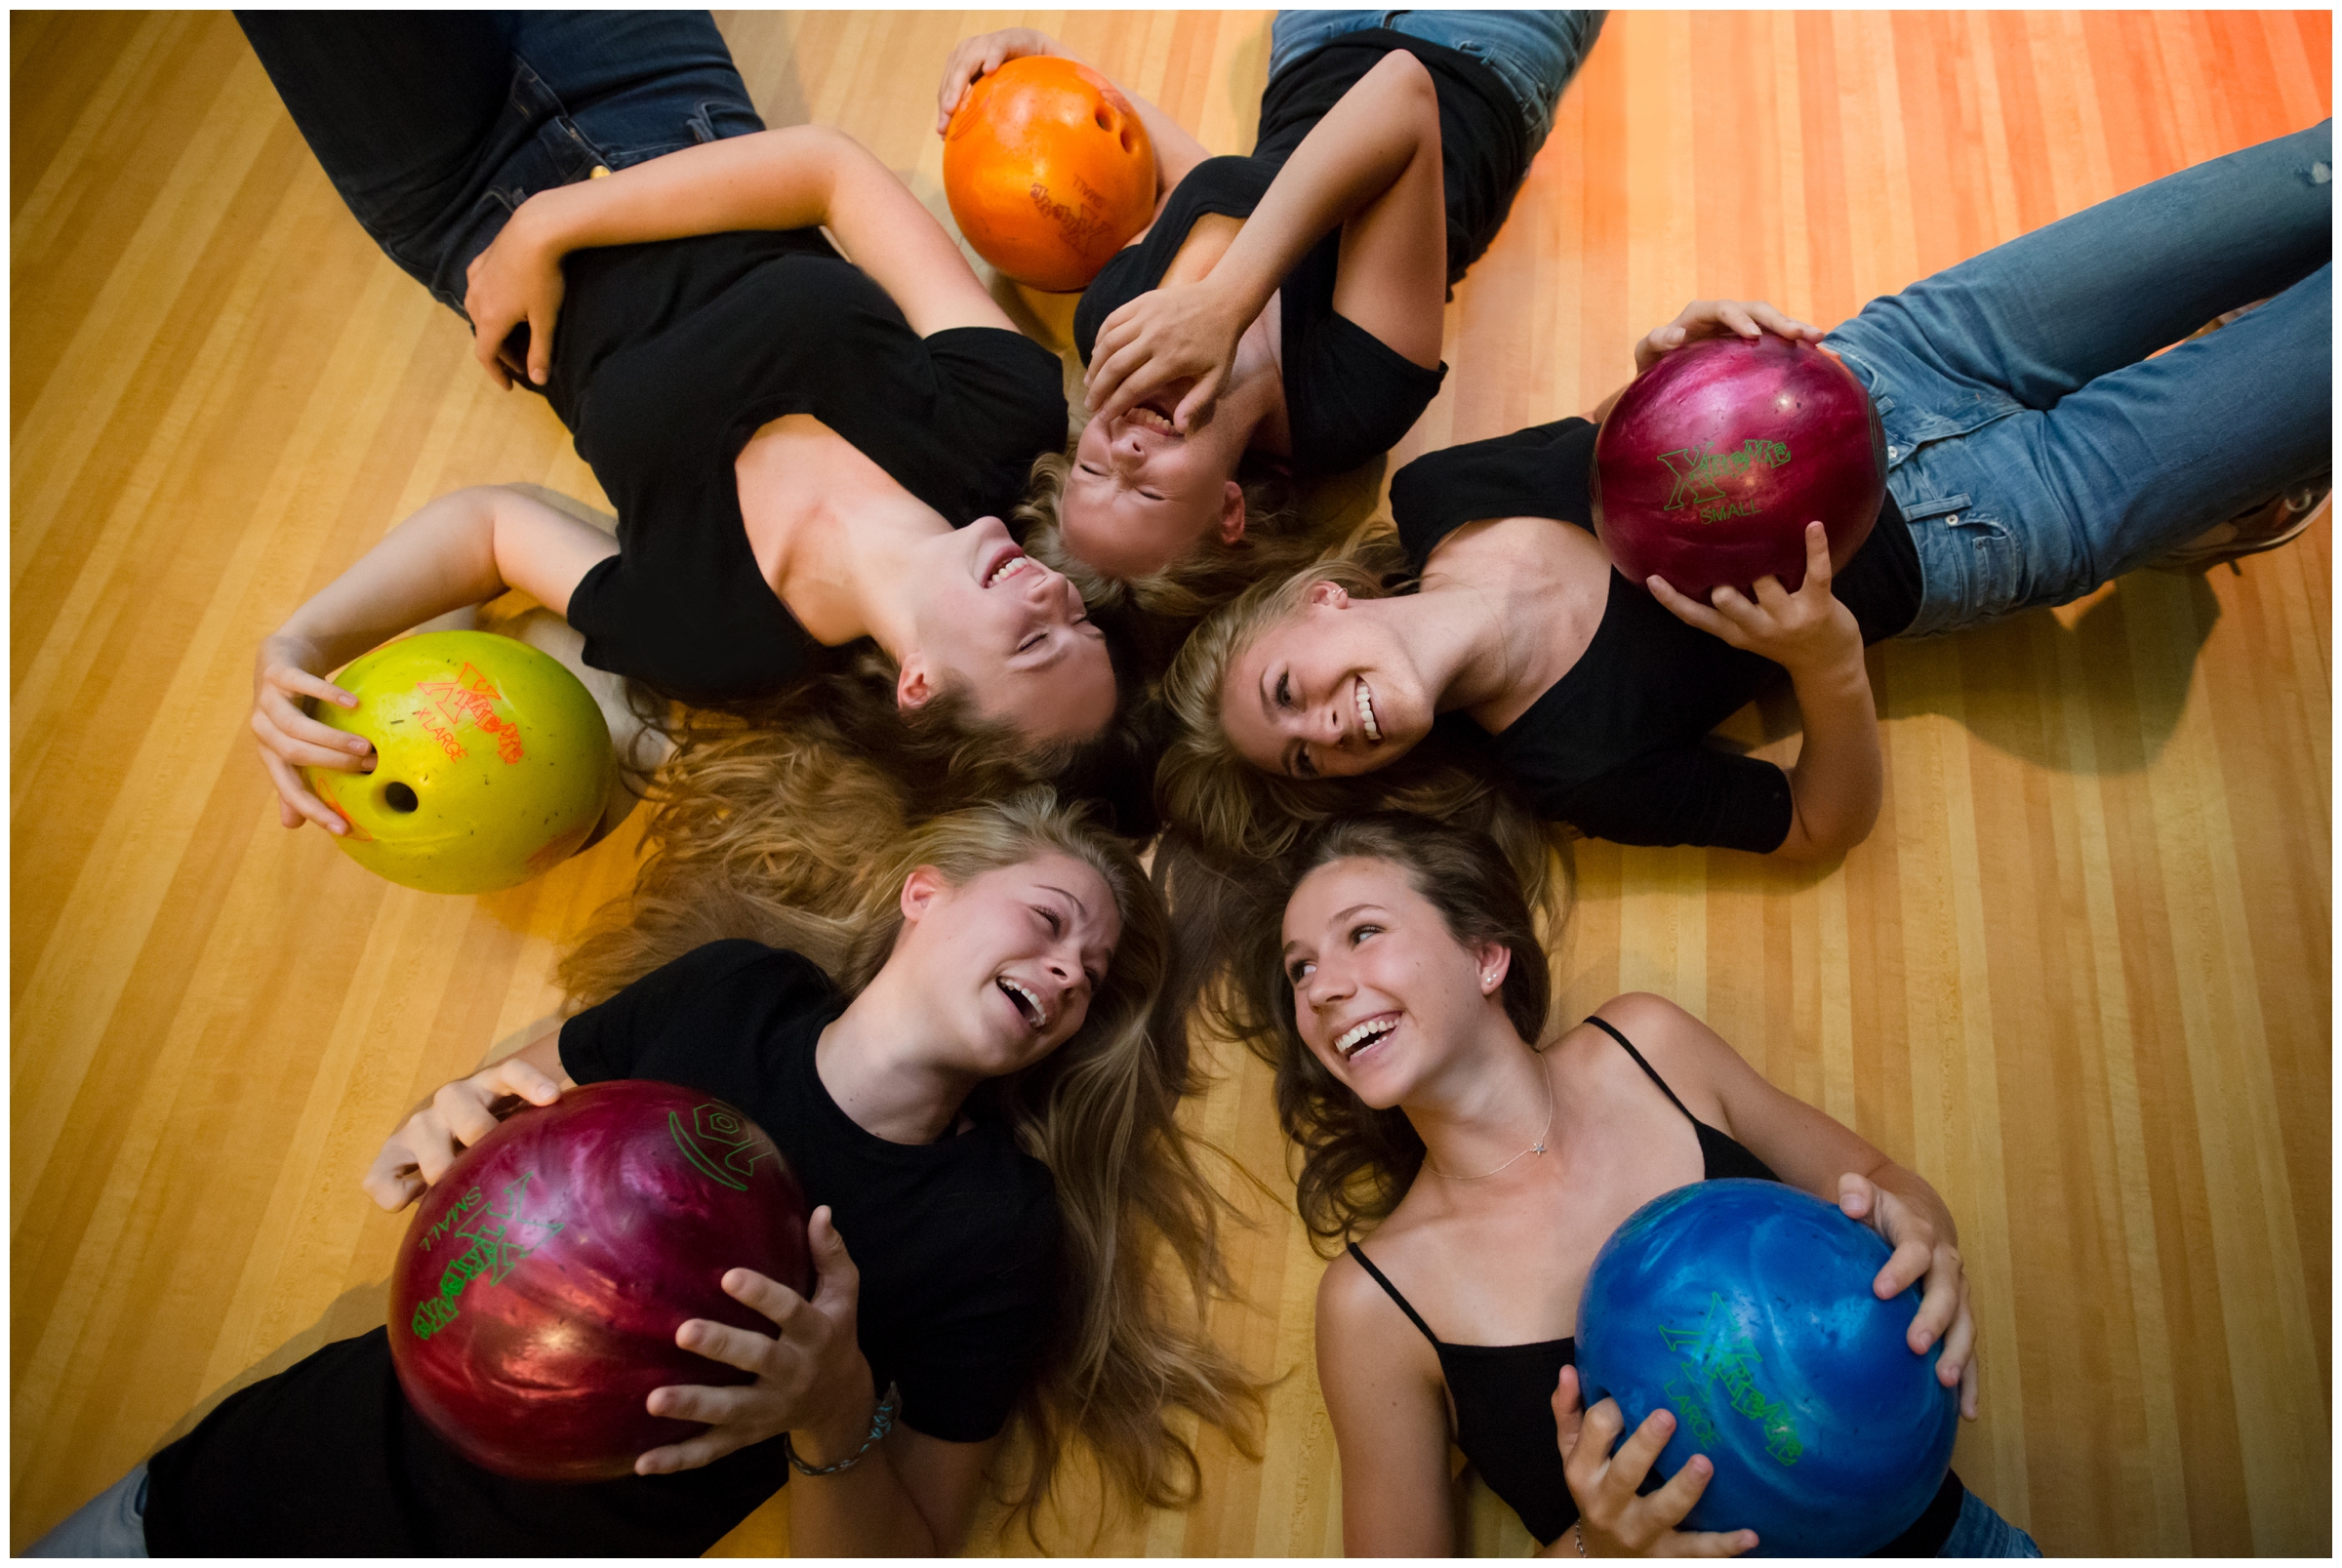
(1399, 991)
(962, 1075)
(2035, 451)
(1282, 317)
(805, 451)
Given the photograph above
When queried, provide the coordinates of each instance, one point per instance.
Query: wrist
(843, 1422)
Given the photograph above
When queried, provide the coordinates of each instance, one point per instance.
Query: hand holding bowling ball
(1927, 1254)
(1048, 170)
(1749, 1312)
(810, 1379)
(1703, 319)
(1614, 1520)
(1710, 463)
(459, 1114)
(981, 55)
(571, 1265)
(284, 679)
(1805, 631)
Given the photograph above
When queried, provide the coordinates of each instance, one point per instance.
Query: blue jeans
(1533, 52)
(2035, 448)
(1979, 1532)
(111, 1525)
(433, 126)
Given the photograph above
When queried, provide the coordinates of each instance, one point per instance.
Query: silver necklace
(1538, 1147)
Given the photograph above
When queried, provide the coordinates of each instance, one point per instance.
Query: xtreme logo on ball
(495, 1238)
(1719, 1351)
(1699, 472)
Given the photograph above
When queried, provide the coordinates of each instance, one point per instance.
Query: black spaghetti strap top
(1504, 1393)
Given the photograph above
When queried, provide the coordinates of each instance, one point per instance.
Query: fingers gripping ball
(534, 1300)
(491, 762)
(1048, 170)
(1713, 462)
(1746, 1308)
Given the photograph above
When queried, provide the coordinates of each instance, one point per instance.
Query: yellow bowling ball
(491, 762)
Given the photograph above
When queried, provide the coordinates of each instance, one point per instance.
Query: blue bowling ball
(1746, 1307)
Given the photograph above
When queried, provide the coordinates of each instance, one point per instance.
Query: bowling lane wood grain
(2079, 977)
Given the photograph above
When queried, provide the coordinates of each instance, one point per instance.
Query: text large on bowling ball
(1746, 1308)
(1048, 170)
(491, 762)
(1710, 464)
(536, 1298)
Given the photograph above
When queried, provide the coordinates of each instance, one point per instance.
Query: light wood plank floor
(2079, 976)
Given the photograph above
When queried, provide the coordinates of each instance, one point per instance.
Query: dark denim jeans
(2037, 451)
(1979, 1532)
(1533, 52)
(434, 125)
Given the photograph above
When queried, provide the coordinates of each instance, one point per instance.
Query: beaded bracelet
(882, 1421)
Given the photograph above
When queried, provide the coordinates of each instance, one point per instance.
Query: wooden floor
(2080, 977)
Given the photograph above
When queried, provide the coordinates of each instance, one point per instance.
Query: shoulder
(1692, 1057)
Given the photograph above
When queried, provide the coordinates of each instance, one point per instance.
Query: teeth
(1141, 415)
(1355, 1039)
(1374, 731)
(1006, 570)
(1026, 1003)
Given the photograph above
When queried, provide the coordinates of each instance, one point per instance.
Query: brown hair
(1355, 1163)
(1099, 1111)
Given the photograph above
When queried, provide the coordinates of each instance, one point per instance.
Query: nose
(1328, 984)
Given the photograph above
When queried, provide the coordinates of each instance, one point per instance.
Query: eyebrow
(1339, 917)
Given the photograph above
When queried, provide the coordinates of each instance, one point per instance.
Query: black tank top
(1504, 1393)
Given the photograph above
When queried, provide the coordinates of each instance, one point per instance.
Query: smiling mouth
(1036, 1016)
(1007, 569)
(1374, 731)
(1359, 1036)
(1152, 415)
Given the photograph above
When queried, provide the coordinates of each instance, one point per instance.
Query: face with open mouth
(1383, 992)
(989, 618)
(1142, 495)
(1326, 693)
(1011, 957)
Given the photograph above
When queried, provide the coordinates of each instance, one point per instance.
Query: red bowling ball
(536, 1298)
(1713, 462)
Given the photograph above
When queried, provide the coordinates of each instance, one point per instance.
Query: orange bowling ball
(1048, 170)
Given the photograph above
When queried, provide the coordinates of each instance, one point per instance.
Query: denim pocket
(1971, 568)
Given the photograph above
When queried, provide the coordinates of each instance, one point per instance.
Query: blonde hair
(1233, 808)
(802, 861)
(1277, 536)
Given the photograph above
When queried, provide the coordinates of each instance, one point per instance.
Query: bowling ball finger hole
(1104, 123)
(399, 797)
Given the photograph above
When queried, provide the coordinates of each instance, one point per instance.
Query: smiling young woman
(1281, 316)
(805, 451)
(2038, 444)
(1390, 974)
(960, 1068)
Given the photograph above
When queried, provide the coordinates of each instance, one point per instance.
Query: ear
(1494, 961)
(1231, 513)
(1330, 594)
(912, 688)
(920, 889)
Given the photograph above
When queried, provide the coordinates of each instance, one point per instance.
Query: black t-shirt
(1615, 746)
(955, 1243)
(669, 356)
(1349, 396)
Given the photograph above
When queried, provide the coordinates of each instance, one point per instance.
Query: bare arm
(912, 1498)
(461, 550)
(1385, 1397)
(1370, 167)
(1176, 153)
(797, 178)
(1810, 1149)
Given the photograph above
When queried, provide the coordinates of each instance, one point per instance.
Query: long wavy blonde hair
(811, 858)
